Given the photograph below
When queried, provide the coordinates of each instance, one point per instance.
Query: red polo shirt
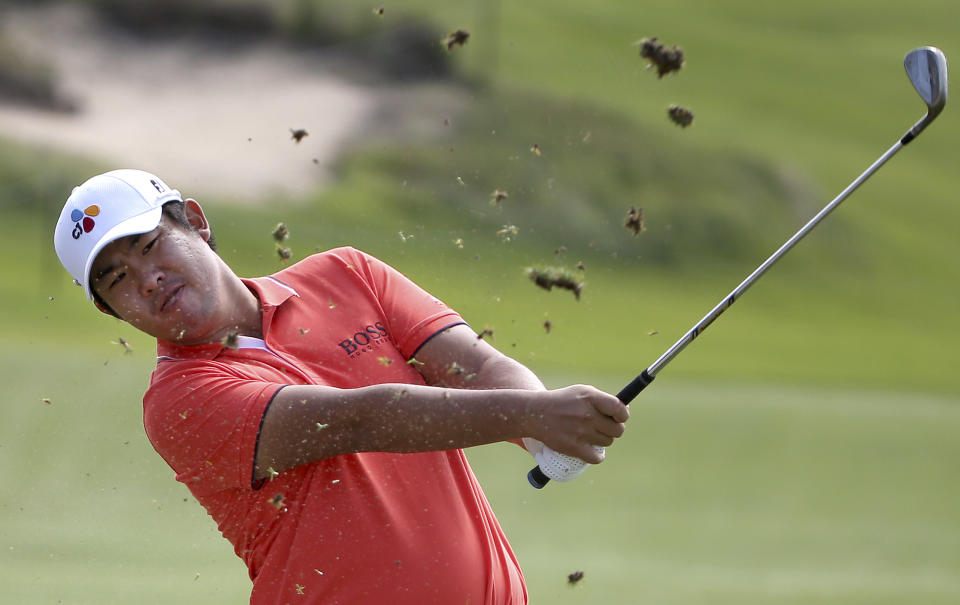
(358, 528)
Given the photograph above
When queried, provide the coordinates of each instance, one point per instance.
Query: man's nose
(152, 280)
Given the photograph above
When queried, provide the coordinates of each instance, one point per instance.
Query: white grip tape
(557, 466)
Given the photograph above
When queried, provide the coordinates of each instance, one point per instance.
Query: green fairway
(719, 494)
(751, 495)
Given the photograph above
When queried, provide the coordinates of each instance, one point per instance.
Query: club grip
(536, 476)
(629, 392)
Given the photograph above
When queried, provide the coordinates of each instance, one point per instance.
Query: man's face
(167, 283)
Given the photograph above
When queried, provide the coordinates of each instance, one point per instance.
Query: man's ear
(104, 309)
(196, 218)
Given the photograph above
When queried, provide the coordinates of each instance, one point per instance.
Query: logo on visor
(84, 220)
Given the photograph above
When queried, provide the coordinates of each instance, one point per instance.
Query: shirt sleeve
(203, 418)
(413, 315)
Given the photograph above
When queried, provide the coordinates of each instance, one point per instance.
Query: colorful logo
(84, 220)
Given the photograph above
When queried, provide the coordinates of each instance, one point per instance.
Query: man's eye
(150, 244)
(117, 279)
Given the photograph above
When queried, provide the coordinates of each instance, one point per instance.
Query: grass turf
(718, 493)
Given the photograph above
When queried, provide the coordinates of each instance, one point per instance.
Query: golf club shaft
(627, 394)
(538, 479)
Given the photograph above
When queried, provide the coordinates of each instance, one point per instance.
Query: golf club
(927, 69)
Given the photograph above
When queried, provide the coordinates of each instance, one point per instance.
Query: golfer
(319, 413)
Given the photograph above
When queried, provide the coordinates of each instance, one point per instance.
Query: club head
(927, 69)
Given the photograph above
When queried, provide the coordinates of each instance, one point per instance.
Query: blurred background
(803, 451)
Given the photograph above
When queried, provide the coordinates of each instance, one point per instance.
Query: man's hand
(574, 419)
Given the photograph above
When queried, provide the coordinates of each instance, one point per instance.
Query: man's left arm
(458, 358)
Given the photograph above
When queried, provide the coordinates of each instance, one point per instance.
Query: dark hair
(176, 211)
(178, 214)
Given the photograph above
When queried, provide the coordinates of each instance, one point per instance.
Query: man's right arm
(308, 423)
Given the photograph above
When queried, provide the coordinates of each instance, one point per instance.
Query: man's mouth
(171, 297)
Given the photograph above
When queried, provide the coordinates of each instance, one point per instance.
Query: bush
(29, 81)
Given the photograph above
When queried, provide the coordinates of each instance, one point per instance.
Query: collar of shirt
(272, 293)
